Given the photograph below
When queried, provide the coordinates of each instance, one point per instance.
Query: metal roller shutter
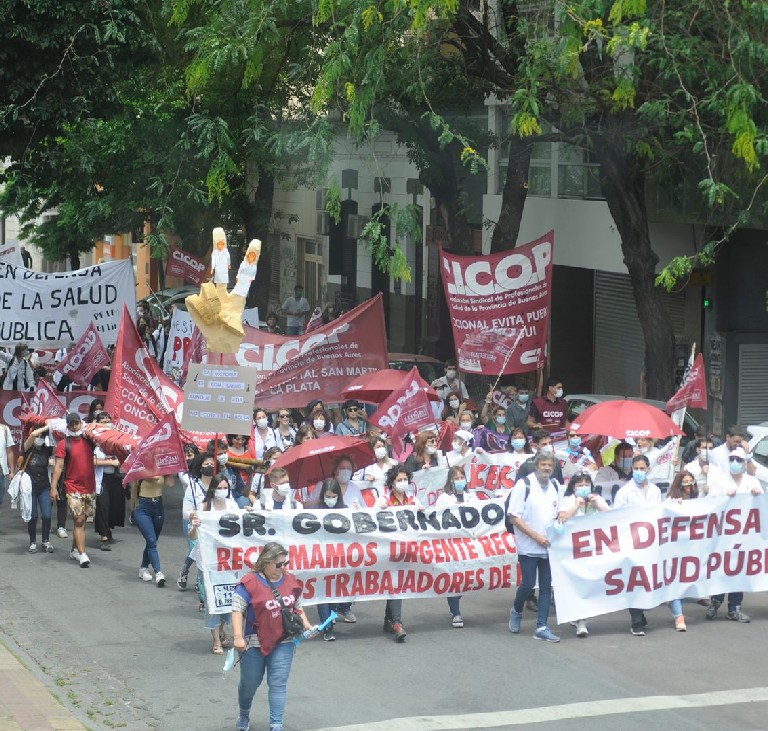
(619, 343)
(753, 377)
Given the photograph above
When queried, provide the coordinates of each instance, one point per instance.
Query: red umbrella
(376, 386)
(626, 419)
(312, 460)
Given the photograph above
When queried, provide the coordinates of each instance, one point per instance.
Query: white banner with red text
(344, 555)
(643, 557)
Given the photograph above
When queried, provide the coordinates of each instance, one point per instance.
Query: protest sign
(219, 399)
(161, 452)
(492, 299)
(644, 556)
(405, 410)
(56, 309)
(86, 359)
(185, 265)
(693, 392)
(364, 555)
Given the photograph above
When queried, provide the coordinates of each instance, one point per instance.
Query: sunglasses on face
(352, 408)
(280, 564)
(736, 459)
(283, 416)
(687, 485)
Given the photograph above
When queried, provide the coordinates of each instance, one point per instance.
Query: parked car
(578, 403)
(758, 444)
(159, 302)
(429, 368)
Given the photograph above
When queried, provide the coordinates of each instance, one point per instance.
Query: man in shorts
(74, 465)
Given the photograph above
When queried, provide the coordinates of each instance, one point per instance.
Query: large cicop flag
(493, 299)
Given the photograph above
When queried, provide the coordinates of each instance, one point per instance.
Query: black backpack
(508, 524)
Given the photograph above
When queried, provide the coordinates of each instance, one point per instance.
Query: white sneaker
(145, 574)
(160, 579)
(85, 562)
(33, 547)
(581, 628)
(62, 533)
(74, 554)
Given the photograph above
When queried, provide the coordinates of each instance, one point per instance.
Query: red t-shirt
(81, 476)
(552, 415)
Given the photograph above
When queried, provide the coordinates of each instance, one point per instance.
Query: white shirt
(290, 504)
(353, 496)
(568, 501)
(6, 440)
(262, 445)
(572, 464)
(378, 473)
(719, 456)
(632, 494)
(722, 487)
(714, 475)
(444, 388)
(292, 304)
(194, 494)
(539, 512)
(99, 469)
(445, 500)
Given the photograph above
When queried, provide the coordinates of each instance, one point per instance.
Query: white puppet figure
(247, 271)
(220, 264)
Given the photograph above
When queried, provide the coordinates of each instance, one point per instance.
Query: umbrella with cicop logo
(625, 419)
(312, 461)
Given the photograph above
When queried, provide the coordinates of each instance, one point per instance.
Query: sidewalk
(26, 704)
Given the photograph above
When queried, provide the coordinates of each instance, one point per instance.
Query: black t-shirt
(38, 460)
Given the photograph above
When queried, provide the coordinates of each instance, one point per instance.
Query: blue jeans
(294, 330)
(150, 516)
(453, 605)
(529, 566)
(3, 485)
(676, 605)
(278, 667)
(324, 611)
(44, 498)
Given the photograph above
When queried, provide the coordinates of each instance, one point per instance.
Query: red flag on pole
(85, 360)
(693, 392)
(45, 402)
(161, 452)
(316, 321)
(406, 410)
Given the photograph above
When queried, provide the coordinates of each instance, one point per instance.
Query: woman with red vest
(257, 622)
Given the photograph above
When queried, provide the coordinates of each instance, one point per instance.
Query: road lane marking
(546, 714)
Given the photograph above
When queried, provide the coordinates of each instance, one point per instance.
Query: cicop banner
(642, 557)
(344, 555)
(183, 264)
(55, 309)
(492, 299)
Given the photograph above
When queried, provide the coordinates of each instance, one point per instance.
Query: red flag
(316, 321)
(495, 299)
(183, 264)
(86, 359)
(407, 409)
(161, 452)
(45, 402)
(140, 394)
(693, 392)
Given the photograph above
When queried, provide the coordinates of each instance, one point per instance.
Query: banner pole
(506, 360)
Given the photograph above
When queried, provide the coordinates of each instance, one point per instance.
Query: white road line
(561, 713)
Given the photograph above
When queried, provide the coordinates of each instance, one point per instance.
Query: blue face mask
(625, 464)
(501, 419)
(517, 443)
(583, 491)
(523, 398)
(735, 467)
(639, 476)
(575, 442)
(558, 527)
(460, 485)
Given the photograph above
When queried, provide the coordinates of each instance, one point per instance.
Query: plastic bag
(20, 491)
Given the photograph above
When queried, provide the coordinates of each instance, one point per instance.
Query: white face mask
(453, 403)
(319, 424)
(222, 459)
(401, 485)
(284, 490)
(221, 493)
(559, 393)
(39, 441)
(380, 452)
(704, 454)
(343, 476)
(431, 450)
(77, 433)
(262, 423)
(450, 375)
(456, 446)
(330, 502)
(467, 425)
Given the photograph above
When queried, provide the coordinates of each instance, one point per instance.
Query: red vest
(269, 616)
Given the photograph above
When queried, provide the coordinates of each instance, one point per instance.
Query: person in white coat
(220, 262)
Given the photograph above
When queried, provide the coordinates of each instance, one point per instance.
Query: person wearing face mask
(461, 446)
(259, 483)
(239, 490)
(735, 438)
(217, 499)
(263, 436)
(282, 496)
(542, 441)
(353, 425)
(425, 453)
(578, 500)
(575, 458)
(550, 411)
(735, 482)
(450, 383)
(532, 509)
(467, 421)
(498, 421)
(375, 475)
(453, 408)
(519, 409)
(683, 487)
(638, 492)
(330, 499)
(19, 375)
(702, 469)
(195, 483)
(37, 453)
(520, 451)
(620, 470)
(74, 467)
(455, 492)
(284, 433)
(343, 469)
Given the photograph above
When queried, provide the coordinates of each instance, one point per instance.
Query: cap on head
(73, 418)
(738, 452)
(463, 434)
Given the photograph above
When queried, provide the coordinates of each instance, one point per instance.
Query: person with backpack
(532, 510)
(74, 468)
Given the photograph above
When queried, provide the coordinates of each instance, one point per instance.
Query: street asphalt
(122, 653)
